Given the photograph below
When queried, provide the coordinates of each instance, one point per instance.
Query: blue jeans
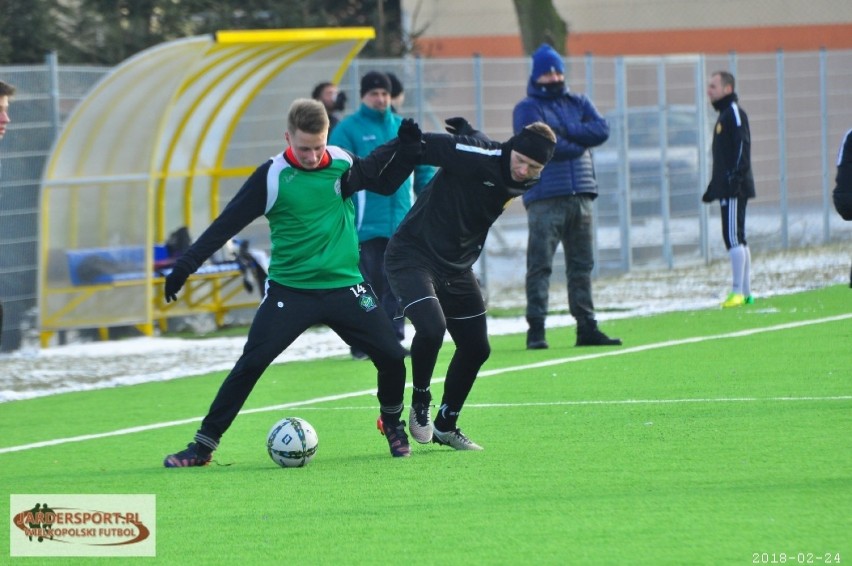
(566, 220)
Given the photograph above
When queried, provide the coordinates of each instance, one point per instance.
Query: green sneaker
(733, 300)
(749, 300)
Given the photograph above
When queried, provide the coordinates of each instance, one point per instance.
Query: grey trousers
(566, 220)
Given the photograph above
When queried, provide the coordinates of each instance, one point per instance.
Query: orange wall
(656, 42)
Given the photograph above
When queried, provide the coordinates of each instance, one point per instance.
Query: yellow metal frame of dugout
(156, 145)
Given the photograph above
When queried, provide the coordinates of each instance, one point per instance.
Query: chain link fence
(651, 172)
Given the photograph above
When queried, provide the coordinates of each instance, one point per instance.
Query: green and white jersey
(310, 213)
(312, 227)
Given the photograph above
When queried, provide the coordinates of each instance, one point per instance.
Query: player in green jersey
(305, 194)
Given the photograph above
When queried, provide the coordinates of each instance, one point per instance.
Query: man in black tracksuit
(732, 182)
(429, 259)
(843, 189)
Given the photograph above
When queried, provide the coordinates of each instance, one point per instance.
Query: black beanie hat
(533, 145)
(396, 85)
(374, 79)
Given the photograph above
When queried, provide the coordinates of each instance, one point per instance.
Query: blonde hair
(308, 116)
(543, 130)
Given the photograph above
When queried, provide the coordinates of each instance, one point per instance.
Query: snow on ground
(31, 372)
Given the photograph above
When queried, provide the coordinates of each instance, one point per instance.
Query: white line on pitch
(580, 403)
(487, 373)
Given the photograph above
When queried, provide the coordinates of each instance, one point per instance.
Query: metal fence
(651, 172)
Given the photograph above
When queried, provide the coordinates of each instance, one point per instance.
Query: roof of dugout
(174, 111)
(160, 143)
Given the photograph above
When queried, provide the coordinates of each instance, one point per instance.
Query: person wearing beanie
(429, 261)
(375, 80)
(377, 215)
(559, 207)
(397, 92)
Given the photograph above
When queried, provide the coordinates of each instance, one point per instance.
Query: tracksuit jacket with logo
(732, 176)
(447, 226)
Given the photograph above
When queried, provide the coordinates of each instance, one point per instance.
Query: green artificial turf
(710, 437)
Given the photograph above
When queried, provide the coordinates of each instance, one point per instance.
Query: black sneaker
(591, 336)
(420, 422)
(396, 437)
(192, 456)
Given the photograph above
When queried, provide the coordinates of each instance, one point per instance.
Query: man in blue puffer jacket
(559, 207)
(377, 216)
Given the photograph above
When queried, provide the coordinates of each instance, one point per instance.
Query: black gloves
(707, 197)
(409, 132)
(410, 138)
(174, 282)
(735, 185)
(458, 126)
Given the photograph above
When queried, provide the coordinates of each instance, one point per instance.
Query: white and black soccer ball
(292, 442)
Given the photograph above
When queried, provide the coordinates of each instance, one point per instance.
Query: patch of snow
(30, 373)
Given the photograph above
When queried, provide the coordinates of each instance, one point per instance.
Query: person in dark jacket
(377, 215)
(842, 193)
(429, 260)
(333, 99)
(559, 207)
(732, 182)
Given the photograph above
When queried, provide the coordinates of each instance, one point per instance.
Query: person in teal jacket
(377, 216)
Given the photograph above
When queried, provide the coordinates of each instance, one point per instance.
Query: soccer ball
(292, 442)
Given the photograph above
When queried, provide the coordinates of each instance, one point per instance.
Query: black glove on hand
(174, 282)
(409, 132)
(706, 197)
(735, 185)
(458, 126)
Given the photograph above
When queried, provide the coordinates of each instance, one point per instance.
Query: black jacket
(732, 176)
(843, 189)
(447, 226)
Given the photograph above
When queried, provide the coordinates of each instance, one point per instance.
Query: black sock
(391, 419)
(205, 444)
(446, 419)
(423, 396)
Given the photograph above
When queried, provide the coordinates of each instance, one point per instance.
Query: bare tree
(541, 23)
(107, 32)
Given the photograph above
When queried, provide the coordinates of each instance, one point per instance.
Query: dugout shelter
(164, 141)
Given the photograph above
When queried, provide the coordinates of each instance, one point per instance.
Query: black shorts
(459, 295)
(733, 221)
(352, 312)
